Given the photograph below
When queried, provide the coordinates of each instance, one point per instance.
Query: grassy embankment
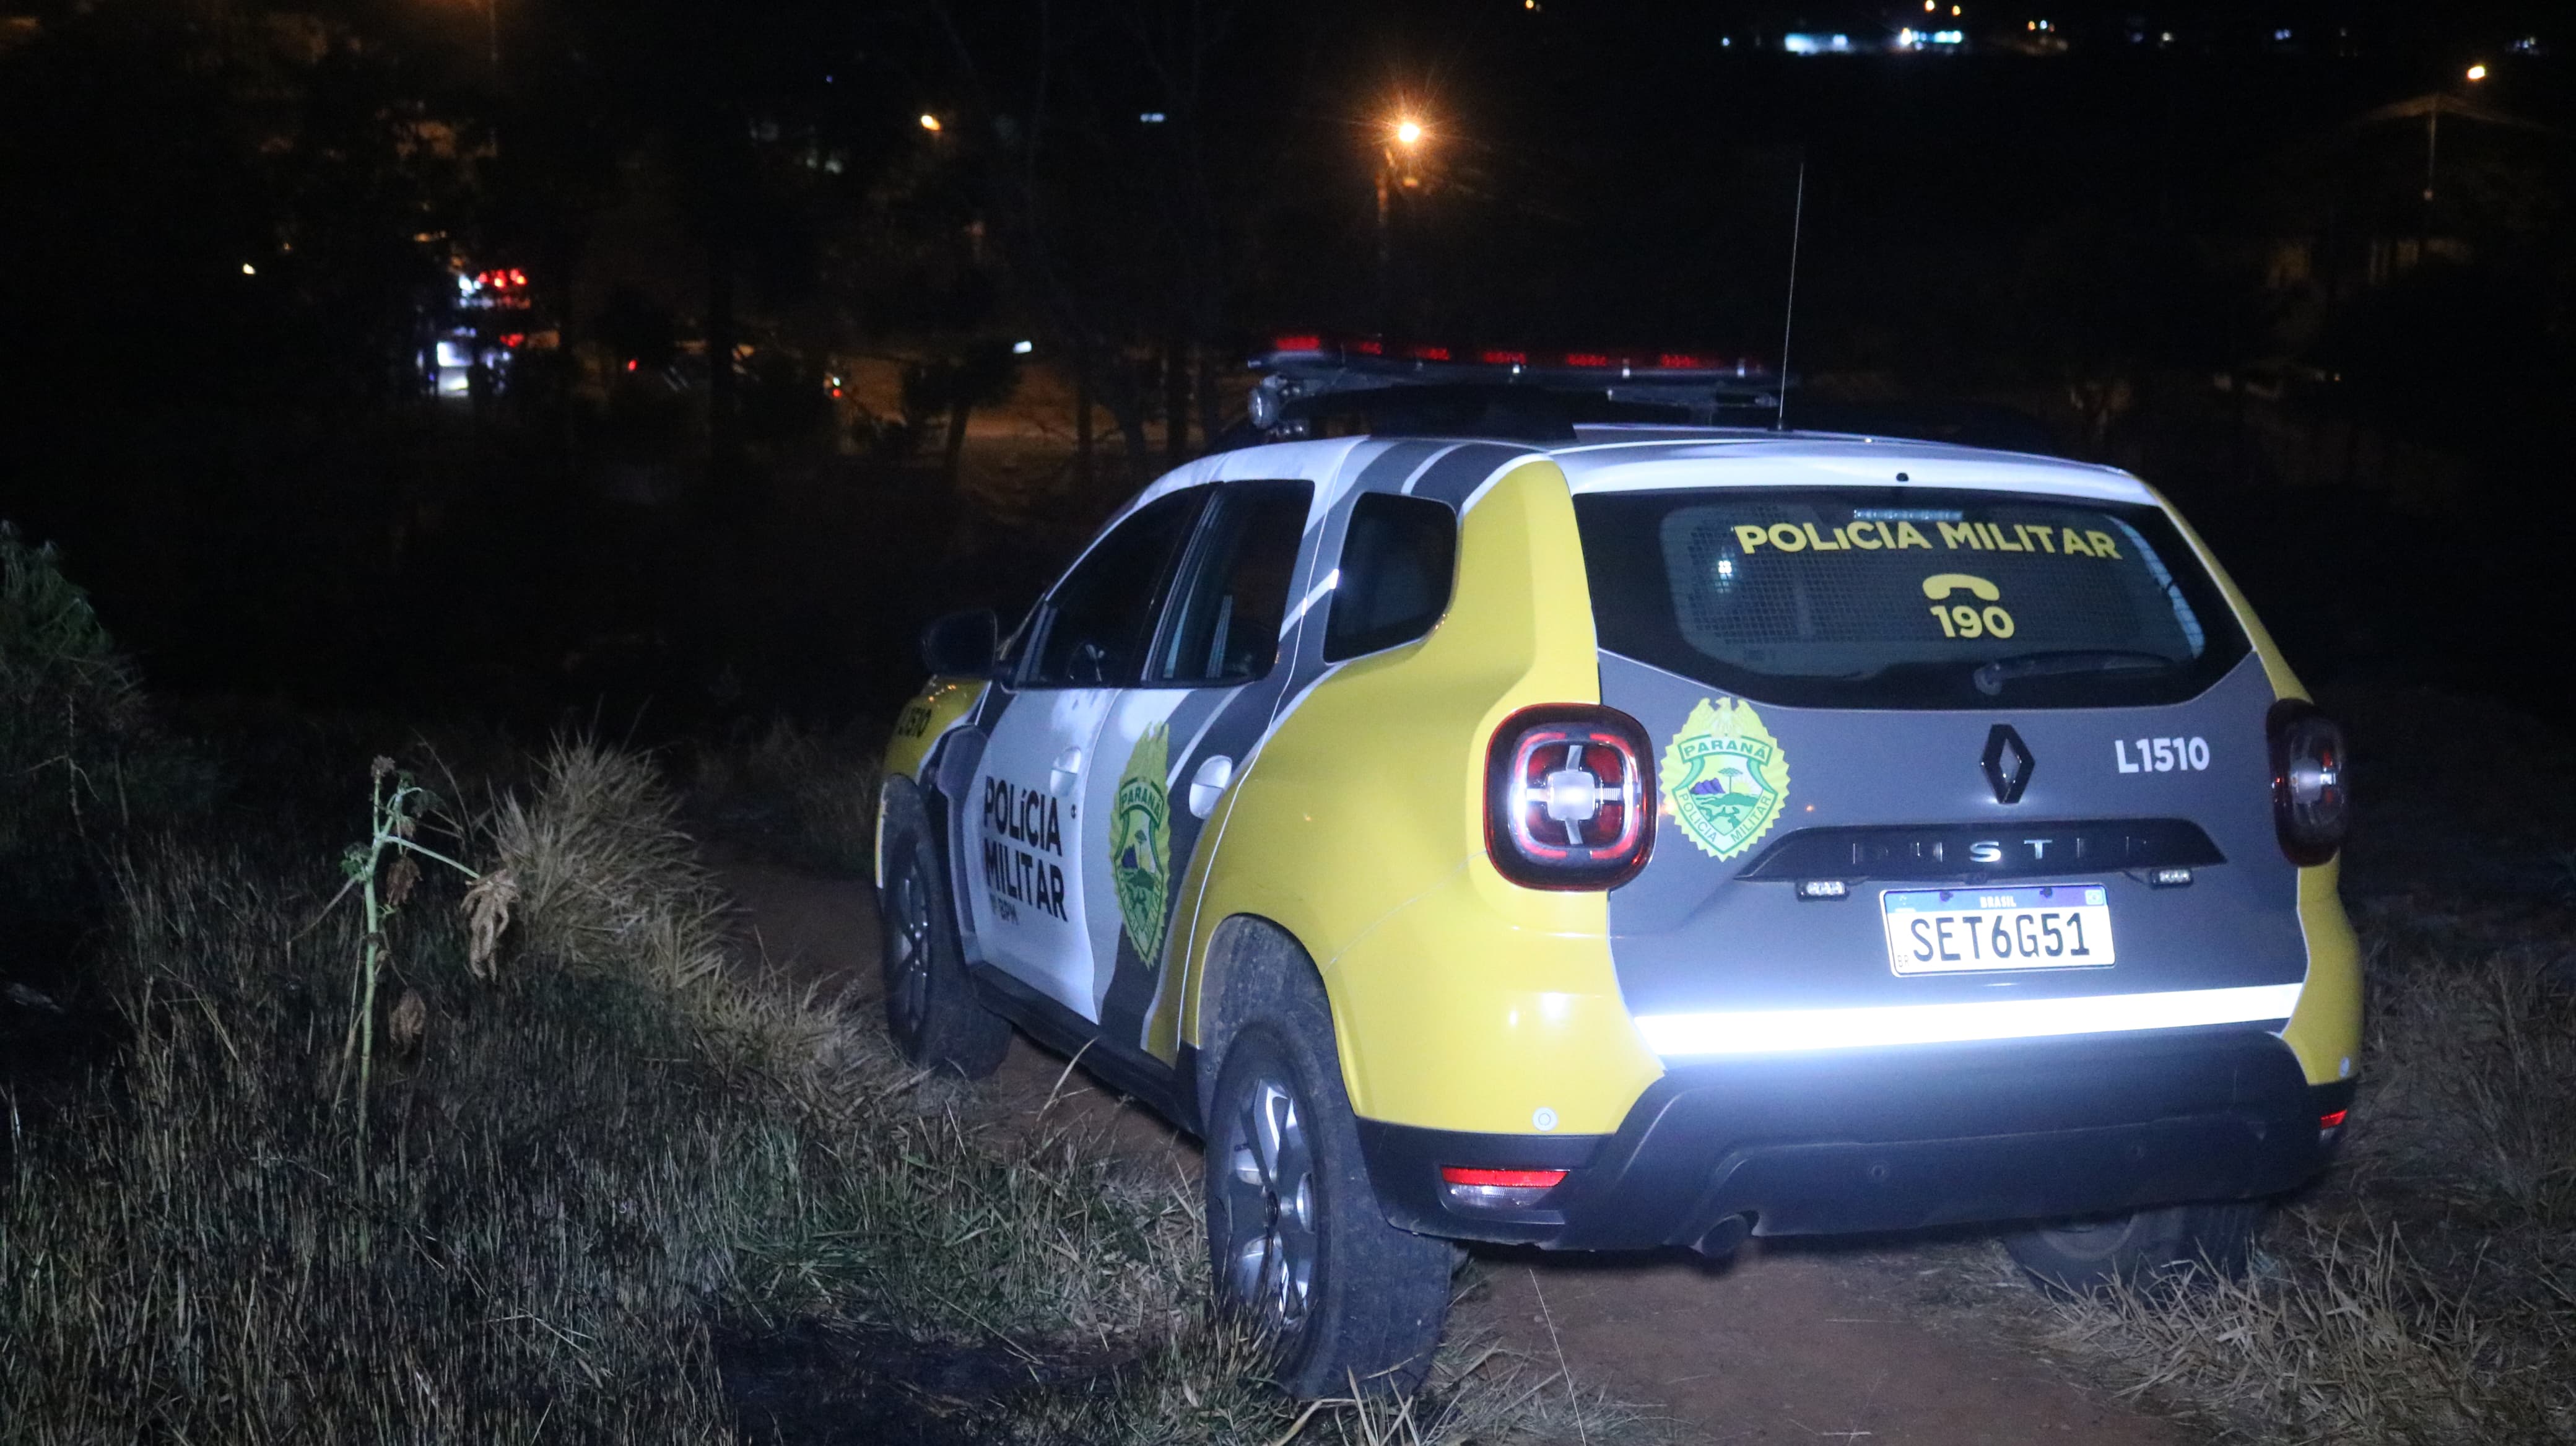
(2425, 1291)
(609, 1184)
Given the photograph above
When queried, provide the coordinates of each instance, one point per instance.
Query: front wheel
(931, 1010)
(1296, 1240)
(2080, 1257)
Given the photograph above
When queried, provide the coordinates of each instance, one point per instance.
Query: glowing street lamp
(2477, 73)
(1408, 131)
(930, 122)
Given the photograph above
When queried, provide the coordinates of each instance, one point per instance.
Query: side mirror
(961, 645)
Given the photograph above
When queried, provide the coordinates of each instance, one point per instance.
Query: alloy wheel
(909, 910)
(1270, 1194)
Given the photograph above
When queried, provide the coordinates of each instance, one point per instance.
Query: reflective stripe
(1781, 1031)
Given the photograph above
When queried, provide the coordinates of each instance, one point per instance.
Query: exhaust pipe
(1722, 1238)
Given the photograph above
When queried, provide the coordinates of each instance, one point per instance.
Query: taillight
(1476, 1189)
(2309, 806)
(1567, 801)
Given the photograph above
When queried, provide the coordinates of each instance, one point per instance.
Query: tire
(2162, 1246)
(1296, 1241)
(931, 1009)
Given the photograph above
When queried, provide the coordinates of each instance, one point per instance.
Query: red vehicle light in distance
(1681, 361)
(1503, 358)
(1303, 341)
(1431, 353)
(1587, 359)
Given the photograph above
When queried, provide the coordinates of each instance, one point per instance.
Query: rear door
(1935, 765)
(1088, 642)
(1168, 747)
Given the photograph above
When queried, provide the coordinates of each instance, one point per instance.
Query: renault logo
(2008, 763)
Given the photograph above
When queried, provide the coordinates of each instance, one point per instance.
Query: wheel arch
(1249, 962)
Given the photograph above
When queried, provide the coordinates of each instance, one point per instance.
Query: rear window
(1397, 560)
(1906, 599)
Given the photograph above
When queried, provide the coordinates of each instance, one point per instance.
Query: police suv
(1497, 824)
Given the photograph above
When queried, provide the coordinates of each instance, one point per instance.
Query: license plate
(2034, 926)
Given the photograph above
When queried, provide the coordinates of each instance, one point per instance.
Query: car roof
(1624, 459)
(1647, 458)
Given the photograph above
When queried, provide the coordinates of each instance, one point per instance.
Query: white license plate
(2031, 926)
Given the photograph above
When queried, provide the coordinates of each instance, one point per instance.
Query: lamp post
(1400, 147)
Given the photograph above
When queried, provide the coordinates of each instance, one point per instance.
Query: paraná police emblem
(1724, 776)
(1140, 844)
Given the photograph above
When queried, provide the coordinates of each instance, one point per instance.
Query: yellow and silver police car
(1622, 836)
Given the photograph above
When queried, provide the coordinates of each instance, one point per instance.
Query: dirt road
(1789, 1342)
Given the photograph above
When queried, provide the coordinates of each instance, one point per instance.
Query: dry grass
(593, 1179)
(605, 877)
(807, 795)
(2426, 1291)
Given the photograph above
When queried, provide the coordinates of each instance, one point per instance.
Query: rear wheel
(931, 1009)
(1296, 1240)
(2163, 1244)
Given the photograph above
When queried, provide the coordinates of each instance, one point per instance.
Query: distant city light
(2281, 34)
(1408, 132)
(1799, 42)
(1927, 6)
(249, 270)
(930, 122)
(1150, 118)
(2476, 72)
(1023, 348)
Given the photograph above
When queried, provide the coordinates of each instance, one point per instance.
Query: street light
(2477, 73)
(930, 122)
(1408, 131)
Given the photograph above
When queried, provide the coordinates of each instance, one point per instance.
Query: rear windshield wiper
(1991, 677)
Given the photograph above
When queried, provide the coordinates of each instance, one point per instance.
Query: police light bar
(1310, 374)
(1442, 361)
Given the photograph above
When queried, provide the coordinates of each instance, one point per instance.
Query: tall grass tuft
(605, 876)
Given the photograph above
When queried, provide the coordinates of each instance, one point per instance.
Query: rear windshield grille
(1906, 599)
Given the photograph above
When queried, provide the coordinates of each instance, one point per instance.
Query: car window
(1224, 626)
(1100, 619)
(1398, 560)
(1906, 598)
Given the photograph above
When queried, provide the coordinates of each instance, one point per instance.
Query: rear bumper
(1895, 1139)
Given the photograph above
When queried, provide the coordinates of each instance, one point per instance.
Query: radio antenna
(1797, 221)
